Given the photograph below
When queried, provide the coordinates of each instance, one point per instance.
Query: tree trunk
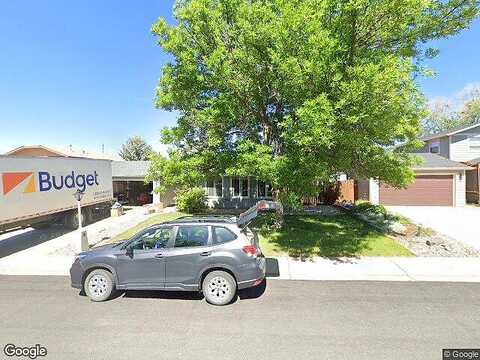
(279, 218)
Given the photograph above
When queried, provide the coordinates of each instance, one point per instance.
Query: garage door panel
(428, 190)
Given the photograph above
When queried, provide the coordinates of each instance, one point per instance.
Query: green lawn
(308, 235)
(155, 219)
(330, 236)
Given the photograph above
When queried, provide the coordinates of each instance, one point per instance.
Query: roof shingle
(437, 162)
(130, 169)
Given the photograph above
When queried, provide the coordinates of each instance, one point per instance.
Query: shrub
(290, 201)
(265, 223)
(192, 200)
(369, 208)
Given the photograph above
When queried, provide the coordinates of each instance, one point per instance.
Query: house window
(264, 189)
(214, 188)
(475, 143)
(434, 147)
(240, 186)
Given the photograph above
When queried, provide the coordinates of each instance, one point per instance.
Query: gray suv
(215, 255)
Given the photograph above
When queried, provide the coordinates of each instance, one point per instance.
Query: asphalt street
(281, 320)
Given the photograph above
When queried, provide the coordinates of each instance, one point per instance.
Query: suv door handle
(159, 256)
(205, 253)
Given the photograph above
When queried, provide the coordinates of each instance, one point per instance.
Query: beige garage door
(430, 190)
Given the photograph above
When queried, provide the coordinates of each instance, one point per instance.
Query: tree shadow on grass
(305, 236)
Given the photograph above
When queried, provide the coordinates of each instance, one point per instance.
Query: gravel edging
(434, 245)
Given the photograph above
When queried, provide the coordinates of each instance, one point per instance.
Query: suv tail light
(250, 250)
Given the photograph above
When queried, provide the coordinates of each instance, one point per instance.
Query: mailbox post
(78, 195)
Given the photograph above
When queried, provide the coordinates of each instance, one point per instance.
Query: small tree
(463, 110)
(135, 149)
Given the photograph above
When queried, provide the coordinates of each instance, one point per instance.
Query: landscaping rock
(436, 245)
(398, 228)
(420, 241)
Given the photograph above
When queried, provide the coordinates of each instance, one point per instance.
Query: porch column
(374, 191)
(156, 196)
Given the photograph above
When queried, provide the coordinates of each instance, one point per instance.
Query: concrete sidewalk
(381, 268)
(368, 268)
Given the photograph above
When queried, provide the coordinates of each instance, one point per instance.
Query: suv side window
(191, 235)
(157, 238)
(222, 235)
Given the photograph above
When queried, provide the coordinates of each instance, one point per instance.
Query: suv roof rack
(202, 219)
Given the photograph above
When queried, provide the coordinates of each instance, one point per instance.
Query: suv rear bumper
(254, 275)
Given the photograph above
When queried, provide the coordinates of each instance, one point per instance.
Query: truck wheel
(87, 216)
(71, 219)
(41, 225)
(219, 288)
(99, 285)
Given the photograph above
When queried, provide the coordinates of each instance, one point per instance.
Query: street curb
(380, 269)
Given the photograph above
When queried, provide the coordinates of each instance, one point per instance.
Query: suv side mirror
(129, 251)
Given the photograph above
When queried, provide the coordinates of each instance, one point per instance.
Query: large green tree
(295, 91)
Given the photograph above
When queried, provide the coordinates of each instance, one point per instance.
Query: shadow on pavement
(159, 294)
(253, 292)
(244, 294)
(30, 238)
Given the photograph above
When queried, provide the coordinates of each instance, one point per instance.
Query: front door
(190, 254)
(146, 267)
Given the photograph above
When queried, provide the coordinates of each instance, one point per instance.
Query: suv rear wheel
(219, 287)
(99, 285)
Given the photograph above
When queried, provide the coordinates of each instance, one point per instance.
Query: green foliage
(176, 171)
(294, 92)
(471, 111)
(291, 202)
(192, 200)
(445, 115)
(368, 208)
(135, 149)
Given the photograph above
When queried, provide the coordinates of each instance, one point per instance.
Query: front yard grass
(155, 219)
(331, 236)
(307, 236)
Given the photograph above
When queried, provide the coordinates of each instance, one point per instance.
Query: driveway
(51, 251)
(460, 223)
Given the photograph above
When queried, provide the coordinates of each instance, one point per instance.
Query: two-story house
(461, 144)
(448, 175)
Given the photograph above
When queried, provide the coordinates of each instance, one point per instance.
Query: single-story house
(129, 185)
(70, 151)
(235, 192)
(225, 192)
(438, 182)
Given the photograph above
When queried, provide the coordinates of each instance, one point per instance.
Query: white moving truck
(38, 191)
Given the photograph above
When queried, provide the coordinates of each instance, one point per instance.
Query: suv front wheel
(219, 288)
(99, 285)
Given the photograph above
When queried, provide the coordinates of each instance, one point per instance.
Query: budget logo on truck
(44, 181)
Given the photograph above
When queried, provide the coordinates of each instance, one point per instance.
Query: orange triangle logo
(11, 180)
(30, 186)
